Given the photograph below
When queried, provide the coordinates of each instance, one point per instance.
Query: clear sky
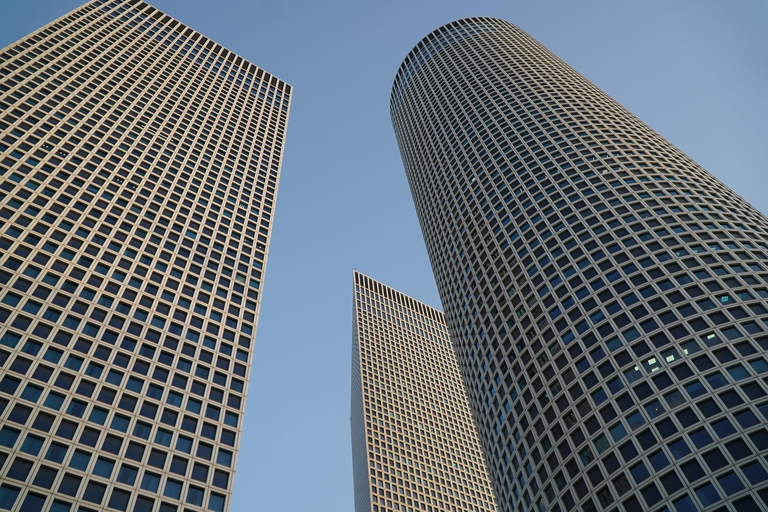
(696, 71)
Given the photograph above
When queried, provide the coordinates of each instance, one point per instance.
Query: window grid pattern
(415, 446)
(139, 164)
(606, 295)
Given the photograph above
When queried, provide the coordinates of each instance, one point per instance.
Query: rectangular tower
(414, 443)
(139, 163)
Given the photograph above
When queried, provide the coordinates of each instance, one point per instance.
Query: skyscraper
(139, 163)
(605, 295)
(414, 443)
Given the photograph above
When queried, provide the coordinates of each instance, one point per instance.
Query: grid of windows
(414, 443)
(607, 297)
(139, 164)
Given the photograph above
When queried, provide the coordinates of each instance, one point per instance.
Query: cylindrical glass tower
(606, 295)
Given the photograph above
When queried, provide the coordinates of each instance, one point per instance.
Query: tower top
(433, 43)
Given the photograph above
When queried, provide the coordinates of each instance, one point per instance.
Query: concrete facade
(139, 163)
(414, 443)
(606, 296)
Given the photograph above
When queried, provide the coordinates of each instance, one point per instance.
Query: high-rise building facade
(414, 444)
(606, 296)
(139, 163)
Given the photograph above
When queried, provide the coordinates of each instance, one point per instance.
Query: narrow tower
(139, 163)
(605, 295)
(414, 443)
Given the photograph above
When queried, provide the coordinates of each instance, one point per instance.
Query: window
(80, 460)
(94, 492)
(70, 484)
(32, 503)
(104, 467)
(119, 499)
(127, 475)
(172, 489)
(708, 495)
(150, 482)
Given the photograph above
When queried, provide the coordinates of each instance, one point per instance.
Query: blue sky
(695, 71)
